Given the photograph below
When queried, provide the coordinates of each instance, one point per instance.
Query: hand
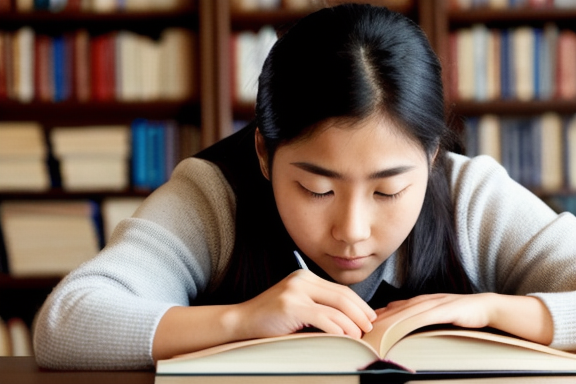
(523, 316)
(303, 299)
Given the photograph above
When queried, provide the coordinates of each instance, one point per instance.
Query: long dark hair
(353, 61)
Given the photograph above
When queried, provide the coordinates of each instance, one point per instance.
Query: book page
(463, 350)
(297, 353)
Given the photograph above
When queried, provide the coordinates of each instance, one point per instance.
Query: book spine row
(539, 153)
(114, 66)
(522, 63)
(154, 149)
(511, 4)
(248, 52)
(92, 5)
(15, 338)
(65, 233)
(154, 152)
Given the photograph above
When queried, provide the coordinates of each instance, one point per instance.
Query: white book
(23, 49)
(480, 36)
(176, 67)
(552, 161)
(114, 210)
(151, 58)
(524, 63)
(489, 142)
(465, 62)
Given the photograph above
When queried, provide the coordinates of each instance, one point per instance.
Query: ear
(262, 153)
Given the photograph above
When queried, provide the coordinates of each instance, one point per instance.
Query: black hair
(354, 61)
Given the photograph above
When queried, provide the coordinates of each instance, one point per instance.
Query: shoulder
(198, 206)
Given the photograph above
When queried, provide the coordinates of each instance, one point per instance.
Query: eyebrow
(385, 173)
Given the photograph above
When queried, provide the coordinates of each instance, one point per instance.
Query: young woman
(347, 163)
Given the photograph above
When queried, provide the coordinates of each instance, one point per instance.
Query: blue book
(139, 147)
(505, 65)
(537, 63)
(59, 57)
(156, 153)
(41, 5)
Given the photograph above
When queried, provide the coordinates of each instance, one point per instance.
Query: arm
(515, 245)
(104, 314)
(301, 299)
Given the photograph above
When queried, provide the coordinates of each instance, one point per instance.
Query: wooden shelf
(241, 20)
(9, 282)
(244, 111)
(60, 194)
(483, 15)
(99, 112)
(511, 16)
(508, 107)
(113, 20)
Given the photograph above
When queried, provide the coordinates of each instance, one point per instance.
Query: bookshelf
(22, 296)
(450, 20)
(234, 20)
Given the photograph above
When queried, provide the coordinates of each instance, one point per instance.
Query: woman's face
(350, 195)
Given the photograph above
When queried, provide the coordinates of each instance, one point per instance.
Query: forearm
(523, 316)
(188, 329)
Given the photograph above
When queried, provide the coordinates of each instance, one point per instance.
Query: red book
(566, 65)
(102, 67)
(452, 66)
(44, 68)
(3, 90)
(81, 65)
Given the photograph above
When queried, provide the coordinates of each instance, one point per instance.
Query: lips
(349, 262)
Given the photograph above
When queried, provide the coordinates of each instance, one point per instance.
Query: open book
(403, 347)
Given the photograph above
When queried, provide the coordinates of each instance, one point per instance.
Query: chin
(349, 277)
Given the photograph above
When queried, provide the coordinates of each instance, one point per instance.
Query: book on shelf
(523, 63)
(114, 66)
(20, 337)
(48, 238)
(15, 338)
(570, 154)
(96, 6)
(157, 147)
(535, 151)
(566, 65)
(409, 346)
(249, 50)
(92, 157)
(5, 344)
(116, 209)
(23, 154)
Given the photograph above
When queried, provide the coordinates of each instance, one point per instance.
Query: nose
(352, 222)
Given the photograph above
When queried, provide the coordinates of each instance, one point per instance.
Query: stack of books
(48, 238)
(23, 154)
(92, 158)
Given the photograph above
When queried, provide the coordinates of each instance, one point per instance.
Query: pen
(300, 261)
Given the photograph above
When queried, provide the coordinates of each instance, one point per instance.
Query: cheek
(296, 214)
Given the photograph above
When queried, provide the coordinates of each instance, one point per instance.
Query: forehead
(376, 132)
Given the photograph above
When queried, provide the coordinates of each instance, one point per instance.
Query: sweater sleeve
(104, 314)
(513, 243)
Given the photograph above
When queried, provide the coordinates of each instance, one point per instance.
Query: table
(24, 370)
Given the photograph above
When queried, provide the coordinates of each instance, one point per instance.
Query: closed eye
(389, 196)
(316, 195)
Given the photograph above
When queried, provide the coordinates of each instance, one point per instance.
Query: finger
(346, 301)
(333, 321)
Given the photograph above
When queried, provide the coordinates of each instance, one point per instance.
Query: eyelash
(316, 195)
